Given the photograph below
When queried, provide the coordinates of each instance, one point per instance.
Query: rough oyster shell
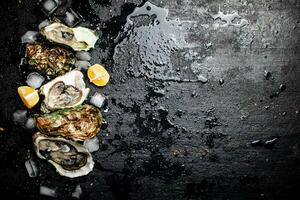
(49, 61)
(78, 123)
(70, 159)
(65, 91)
(79, 38)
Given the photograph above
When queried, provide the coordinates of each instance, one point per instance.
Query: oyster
(50, 61)
(78, 123)
(69, 158)
(64, 91)
(79, 38)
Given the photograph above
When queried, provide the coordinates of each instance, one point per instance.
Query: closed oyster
(64, 91)
(69, 158)
(78, 123)
(79, 38)
(49, 61)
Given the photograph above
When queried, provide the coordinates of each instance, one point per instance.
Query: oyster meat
(64, 91)
(70, 159)
(79, 38)
(49, 61)
(78, 123)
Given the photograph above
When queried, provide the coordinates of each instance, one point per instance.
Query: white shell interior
(84, 38)
(74, 78)
(85, 35)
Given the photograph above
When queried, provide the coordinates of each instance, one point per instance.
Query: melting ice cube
(29, 36)
(82, 65)
(31, 168)
(98, 100)
(44, 23)
(83, 55)
(35, 80)
(48, 6)
(30, 124)
(77, 192)
(20, 116)
(62, 2)
(92, 144)
(47, 191)
(72, 18)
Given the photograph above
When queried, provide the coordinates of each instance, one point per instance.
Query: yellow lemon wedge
(29, 96)
(98, 75)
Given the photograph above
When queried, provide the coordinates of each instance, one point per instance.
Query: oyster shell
(79, 38)
(64, 91)
(78, 123)
(49, 61)
(70, 159)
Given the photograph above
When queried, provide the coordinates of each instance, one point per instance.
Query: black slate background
(194, 140)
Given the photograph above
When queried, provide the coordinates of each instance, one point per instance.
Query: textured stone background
(168, 138)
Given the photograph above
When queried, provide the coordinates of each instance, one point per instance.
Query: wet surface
(203, 101)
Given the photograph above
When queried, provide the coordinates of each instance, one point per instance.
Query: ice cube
(29, 36)
(77, 192)
(92, 144)
(44, 23)
(83, 55)
(71, 18)
(30, 124)
(48, 6)
(82, 65)
(62, 2)
(31, 168)
(20, 116)
(98, 100)
(47, 191)
(35, 80)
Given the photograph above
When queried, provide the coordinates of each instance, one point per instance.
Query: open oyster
(69, 158)
(64, 91)
(50, 61)
(78, 123)
(79, 38)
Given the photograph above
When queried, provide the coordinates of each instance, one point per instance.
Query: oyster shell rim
(60, 114)
(82, 171)
(77, 45)
(78, 83)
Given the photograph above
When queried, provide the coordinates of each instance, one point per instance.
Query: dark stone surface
(169, 136)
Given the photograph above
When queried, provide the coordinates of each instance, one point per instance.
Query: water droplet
(267, 75)
(256, 143)
(221, 81)
(269, 144)
(202, 78)
(282, 87)
(194, 94)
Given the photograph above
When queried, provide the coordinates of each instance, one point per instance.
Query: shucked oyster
(79, 38)
(78, 123)
(69, 158)
(65, 91)
(52, 62)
